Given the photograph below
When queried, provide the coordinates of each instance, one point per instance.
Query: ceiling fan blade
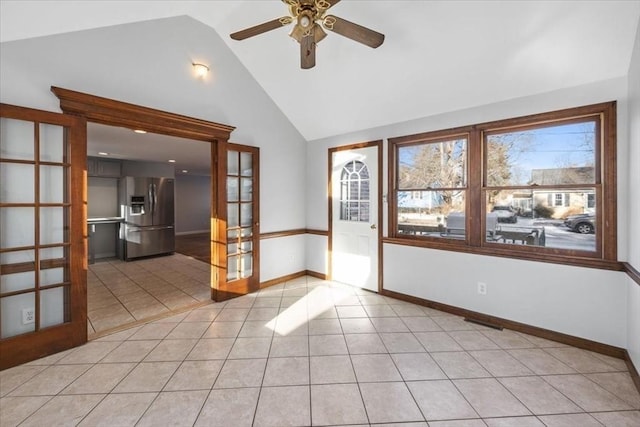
(353, 31)
(319, 33)
(262, 28)
(308, 50)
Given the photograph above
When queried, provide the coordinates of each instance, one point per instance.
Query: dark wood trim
(605, 185)
(635, 377)
(73, 332)
(437, 135)
(632, 272)
(149, 320)
(23, 267)
(380, 218)
(317, 232)
(287, 233)
(292, 276)
(222, 289)
(330, 206)
(76, 219)
(117, 113)
(571, 340)
(315, 274)
(497, 251)
(34, 345)
(281, 279)
(294, 232)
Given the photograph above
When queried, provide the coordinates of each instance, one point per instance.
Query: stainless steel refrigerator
(147, 206)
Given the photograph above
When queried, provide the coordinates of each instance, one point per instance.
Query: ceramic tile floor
(310, 352)
(119, 293)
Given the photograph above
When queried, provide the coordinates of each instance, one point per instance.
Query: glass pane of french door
(42, 233)
(34, 238)
(240, 205)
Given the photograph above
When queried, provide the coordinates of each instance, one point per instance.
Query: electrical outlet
(482, 288)
(28, 315)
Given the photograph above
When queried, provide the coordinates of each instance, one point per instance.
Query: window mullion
(475, 201)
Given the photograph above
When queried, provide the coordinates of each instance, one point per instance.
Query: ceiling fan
(310, 18)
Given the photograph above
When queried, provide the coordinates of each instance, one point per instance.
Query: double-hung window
(432, 187)
(540, 187)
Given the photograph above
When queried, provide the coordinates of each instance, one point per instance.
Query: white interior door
(354, 224)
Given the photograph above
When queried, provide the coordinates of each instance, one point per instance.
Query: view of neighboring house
(556, 203)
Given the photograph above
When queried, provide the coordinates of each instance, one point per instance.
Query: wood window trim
(606, 254)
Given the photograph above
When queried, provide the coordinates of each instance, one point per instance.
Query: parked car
(583, 223)
(506, 214)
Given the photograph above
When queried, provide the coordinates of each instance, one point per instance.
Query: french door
(236, 226)
(43, 302)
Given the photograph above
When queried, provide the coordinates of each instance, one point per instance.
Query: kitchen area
(135, 273)
(130, 216)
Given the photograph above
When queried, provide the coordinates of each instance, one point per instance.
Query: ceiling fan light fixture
(201, 70)
(305, 21)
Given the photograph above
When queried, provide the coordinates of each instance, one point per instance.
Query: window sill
(456, 246)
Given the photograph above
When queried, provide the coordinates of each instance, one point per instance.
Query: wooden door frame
(111, 112)
(331, 151)
(219, 228)
(73, 332)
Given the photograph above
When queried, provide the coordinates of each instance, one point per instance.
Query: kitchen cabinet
(104, 167)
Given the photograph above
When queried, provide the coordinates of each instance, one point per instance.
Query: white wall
(193, 204)
(584, 302)
(633, 158)
(281, 256)
(113, 62)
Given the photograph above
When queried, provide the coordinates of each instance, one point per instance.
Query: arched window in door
(354, 192)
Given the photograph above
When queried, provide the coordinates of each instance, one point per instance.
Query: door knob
(373, 226)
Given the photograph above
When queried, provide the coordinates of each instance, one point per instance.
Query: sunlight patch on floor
(310, 306)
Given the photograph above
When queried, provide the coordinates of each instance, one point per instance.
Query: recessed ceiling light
(139, 131)
(102, 153)
(172, 161)
(184, 171)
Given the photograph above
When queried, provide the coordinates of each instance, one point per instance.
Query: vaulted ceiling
(438, 56)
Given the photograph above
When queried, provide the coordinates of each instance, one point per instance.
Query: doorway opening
(148, 216)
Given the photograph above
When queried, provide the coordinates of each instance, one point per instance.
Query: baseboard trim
(571, 340)
(632, 370)
(315, 274)
(292, 276)
(281, 279)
